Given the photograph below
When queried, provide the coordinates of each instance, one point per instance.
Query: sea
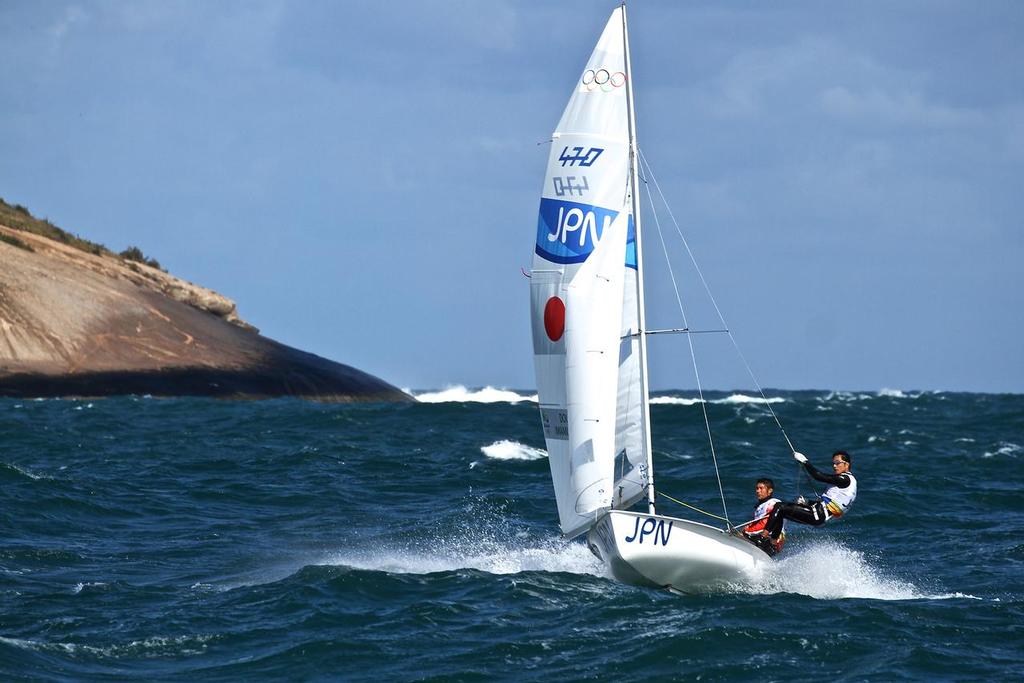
(187, 539)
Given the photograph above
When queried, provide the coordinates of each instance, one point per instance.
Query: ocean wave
(154, 646)
(1005, 448)
(891, 393)
(674, 401)
(743, 398)
(897, 393)
(512, 450)
(844, 396)
(460, 394)
(22, 471)
(734, 399)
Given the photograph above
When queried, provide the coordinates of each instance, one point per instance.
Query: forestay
(584, 299)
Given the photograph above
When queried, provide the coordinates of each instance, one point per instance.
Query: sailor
(836, 500)
(763, 489)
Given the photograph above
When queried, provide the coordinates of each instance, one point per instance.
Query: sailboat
(590, 344)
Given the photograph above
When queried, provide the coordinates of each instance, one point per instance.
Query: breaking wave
(512, 450)
(674, 401)
(460, 394)
(734, 399)
(743, 398)
(1005, 448)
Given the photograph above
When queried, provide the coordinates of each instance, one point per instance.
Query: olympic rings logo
(603, 79)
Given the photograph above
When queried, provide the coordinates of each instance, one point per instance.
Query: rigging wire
(694, 507)
(707, 289)
(693, 354)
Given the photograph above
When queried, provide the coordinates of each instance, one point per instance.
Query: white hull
(666, 552)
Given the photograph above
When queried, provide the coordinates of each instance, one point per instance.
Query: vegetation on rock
(18, 217)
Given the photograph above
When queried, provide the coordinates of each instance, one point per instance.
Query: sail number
(658, 529)
(576, 219)
(568, 231)
(578, 157)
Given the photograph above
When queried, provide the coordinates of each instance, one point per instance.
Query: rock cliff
(75, 323)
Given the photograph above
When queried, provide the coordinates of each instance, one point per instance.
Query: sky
(363, 178)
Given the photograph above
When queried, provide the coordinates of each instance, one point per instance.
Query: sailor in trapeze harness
(834, 502)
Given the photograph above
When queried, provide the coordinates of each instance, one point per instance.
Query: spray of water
(828, 570)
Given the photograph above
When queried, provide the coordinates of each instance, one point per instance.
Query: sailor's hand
(799, 457)
(800, 500)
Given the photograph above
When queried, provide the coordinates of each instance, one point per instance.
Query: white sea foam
(828, 570)
(80, 586)
(490, 557)
(743, 398)
(674, 401)
(734, 399)
(22, 470)
(460, 394)
(512, 450)
(844, 396)
(154, 646)
(1005, 448)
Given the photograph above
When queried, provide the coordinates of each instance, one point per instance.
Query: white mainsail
(584, 301)
(589, 344)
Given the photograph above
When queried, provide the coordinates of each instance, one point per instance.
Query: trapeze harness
(834, 503)
(836, 500)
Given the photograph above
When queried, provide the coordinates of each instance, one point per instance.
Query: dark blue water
(183, 539)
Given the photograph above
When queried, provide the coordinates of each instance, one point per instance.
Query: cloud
(69, 18)
(908, 108)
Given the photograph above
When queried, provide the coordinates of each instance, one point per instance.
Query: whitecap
(897, 393)
(843, 396)
(743, 398)
(674, 401)
(512, 450)
(460, 394)
(1005, 448)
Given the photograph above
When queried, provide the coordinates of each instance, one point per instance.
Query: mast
(634, 158)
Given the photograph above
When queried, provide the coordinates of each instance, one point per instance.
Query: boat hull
(665, 552)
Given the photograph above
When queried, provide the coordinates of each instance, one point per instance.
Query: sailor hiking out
(836, 500)
(754, 531)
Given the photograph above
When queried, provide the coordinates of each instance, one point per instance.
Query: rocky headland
(79, 320)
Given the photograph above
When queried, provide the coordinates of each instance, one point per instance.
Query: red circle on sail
(554, 318)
